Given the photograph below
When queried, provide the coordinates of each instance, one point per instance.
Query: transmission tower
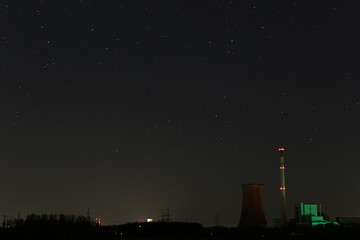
(168, 214)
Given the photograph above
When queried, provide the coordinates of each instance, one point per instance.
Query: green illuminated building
(307, 209)
(309, 214)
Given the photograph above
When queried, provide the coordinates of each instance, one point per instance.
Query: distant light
(281, 149)
(150, 220)
(98, 221)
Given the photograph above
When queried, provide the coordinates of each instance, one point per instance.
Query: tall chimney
(282, 187)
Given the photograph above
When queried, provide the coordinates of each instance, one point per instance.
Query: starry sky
(129, 107)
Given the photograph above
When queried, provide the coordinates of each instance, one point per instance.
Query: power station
(306, 214)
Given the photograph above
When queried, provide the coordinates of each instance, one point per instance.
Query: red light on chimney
(281, 149)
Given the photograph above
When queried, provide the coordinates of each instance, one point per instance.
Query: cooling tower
(252, 213)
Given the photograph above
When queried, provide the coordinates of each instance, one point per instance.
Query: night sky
(130, 107)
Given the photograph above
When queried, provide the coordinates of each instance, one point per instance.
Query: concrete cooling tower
(252, 213)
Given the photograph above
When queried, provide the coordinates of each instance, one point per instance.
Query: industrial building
(309, 214)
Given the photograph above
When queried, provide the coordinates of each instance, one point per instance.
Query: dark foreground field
(62, 228)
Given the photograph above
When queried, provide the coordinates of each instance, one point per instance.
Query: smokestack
(252, 213)
(282, 187)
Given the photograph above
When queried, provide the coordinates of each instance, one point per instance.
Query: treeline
(50, 226)
(34, 220)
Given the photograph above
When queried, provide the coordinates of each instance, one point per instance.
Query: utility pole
(168, 214)
(4, 221)
(163, 216)
(88, 217)
(216, 219)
